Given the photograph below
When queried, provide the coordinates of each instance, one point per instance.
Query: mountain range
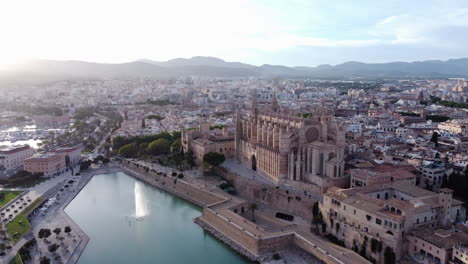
(214, 67)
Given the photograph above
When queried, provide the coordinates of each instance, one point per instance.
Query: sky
(292, 33)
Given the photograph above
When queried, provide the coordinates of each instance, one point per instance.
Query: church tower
(274, 104)
(254, 108)
(237, 138)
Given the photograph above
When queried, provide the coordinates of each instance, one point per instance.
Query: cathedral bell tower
(254, 108)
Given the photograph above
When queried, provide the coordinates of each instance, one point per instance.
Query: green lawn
(33, 206)
(16, 260)
(16, 227)
(6, 196)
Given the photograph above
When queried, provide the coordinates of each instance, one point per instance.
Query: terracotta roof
(13, 149)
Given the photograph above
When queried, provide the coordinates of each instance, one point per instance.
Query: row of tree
(165, 147)
(458, 182)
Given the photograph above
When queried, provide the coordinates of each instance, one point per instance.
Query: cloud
(444, 28)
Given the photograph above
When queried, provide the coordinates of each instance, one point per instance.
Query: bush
(213, 158)
(276, 256)
(180, 176)
(174, 174)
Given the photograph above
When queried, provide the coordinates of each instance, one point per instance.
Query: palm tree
(253, 207)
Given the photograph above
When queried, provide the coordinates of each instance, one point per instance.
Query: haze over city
(291, 33)
(206, 132)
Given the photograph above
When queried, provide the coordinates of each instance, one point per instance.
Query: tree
(253, 207)
(84, 165)
(176, 134)
(129, 150)
(67, 229)
(435, 138)
(57, 231)
(44, 260)
(159, 146)
(44, 233)
(176, 146)
(2, 247)
(52, 248)
(40, 234)
(444, 182)
(213, 158)
(190, 158)
(317, 215)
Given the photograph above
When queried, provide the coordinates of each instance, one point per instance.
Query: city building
(381, 174)
(12, 157)
(204, 140)
(454, 126)
(48, 164)
(434, 172)
(386, 214)
(429, 246)
(287, 147)
(70, 155)
(460, 253)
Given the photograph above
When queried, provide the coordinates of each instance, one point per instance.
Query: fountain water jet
(141, 209)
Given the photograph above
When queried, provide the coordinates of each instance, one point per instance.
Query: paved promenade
(72, 245)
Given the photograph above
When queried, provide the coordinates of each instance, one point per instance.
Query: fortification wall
(314, 250)
(178, 187)
(279, 198)
(274, 244)
(229, 229)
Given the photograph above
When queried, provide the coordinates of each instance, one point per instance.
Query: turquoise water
(105, 209)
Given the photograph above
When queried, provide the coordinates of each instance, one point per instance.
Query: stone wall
(282, 198)
(178, 187)
(274, 244)
(314, 250)
(231, 230)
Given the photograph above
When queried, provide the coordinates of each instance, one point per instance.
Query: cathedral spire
(254, 105)
(274, 103)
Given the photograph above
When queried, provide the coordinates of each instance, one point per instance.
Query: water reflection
(115, 236)
(141, 206)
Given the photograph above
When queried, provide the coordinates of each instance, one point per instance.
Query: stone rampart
(280, 198)
(178, 187)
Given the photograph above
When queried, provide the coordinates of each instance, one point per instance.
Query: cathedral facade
(286, 147)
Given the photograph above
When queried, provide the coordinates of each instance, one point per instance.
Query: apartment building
(11, 157)
(386, 214)
(48, 164)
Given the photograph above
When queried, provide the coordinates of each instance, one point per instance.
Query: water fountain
(141, 209)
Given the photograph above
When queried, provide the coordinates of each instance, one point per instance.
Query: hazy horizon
(258, 65)
(296, 33)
